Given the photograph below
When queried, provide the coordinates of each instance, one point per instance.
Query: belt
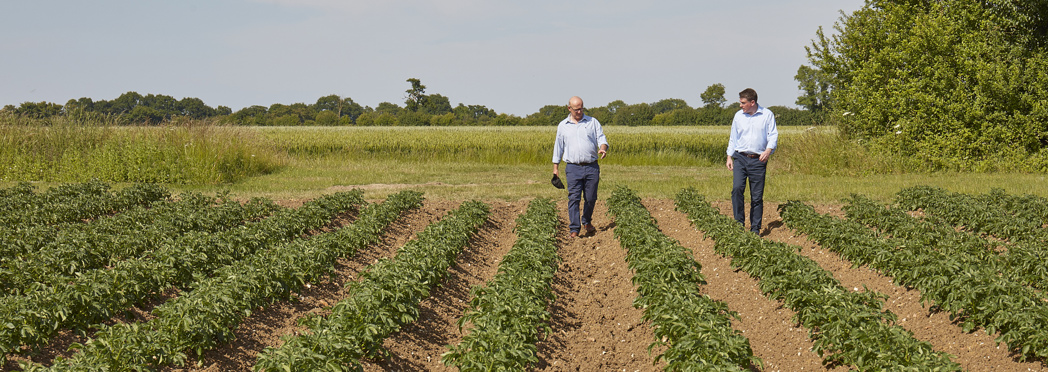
(592, 162)
(751, 156)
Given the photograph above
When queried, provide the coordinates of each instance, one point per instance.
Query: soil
(595, 327)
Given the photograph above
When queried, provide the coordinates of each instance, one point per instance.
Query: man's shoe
(574, 234)
(590, 230)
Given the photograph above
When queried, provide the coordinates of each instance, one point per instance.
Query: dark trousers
(746, 168)
(582, 184)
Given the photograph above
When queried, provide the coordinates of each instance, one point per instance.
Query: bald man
(580, 143)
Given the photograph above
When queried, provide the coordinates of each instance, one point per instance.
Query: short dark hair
(749, 94)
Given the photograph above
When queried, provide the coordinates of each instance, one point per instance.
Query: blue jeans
(746, 168)
(582, 183)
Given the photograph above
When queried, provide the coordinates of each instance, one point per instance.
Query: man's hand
(730, 164)
(555, 169)
(602, 151)
(765, 155)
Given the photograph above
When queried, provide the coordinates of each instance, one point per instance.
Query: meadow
(812, 163)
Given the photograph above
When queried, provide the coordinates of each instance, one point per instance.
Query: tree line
(419, 109)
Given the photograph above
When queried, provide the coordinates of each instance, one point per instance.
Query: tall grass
(829, 153)
(60, 150)
(497, 145)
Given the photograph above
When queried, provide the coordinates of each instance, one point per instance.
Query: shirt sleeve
(733, 136)
(601, 139)
(558, 147)
(772, 132)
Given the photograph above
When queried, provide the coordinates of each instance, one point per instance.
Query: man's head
(748, 100)
(575, 108)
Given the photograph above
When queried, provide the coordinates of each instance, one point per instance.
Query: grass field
(514, 163)
(510, 163)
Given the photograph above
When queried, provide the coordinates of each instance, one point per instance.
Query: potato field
(96, 278)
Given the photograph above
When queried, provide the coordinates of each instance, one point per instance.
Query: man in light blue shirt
(580, 143)
(752, 141)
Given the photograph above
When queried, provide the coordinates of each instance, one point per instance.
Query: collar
(759, 110)
(585, 118)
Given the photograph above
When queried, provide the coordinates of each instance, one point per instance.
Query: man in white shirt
(752, 141)
(580, 143)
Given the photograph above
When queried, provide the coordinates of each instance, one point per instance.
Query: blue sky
(511, 56)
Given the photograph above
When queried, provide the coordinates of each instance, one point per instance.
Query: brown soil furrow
(595, 326)
(774, 336)
(418, 346)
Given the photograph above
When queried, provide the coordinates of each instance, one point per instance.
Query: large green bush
(959, 84)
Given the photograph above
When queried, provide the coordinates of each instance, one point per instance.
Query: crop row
(979, 215)
(97, 295)
(206, 317)
(695, 328)
(973, 294)
(107, 240)
(29, 220)
(72, 203)
(847, 327)
(997, 214)
(1022, 262)
(1029, 207)
(509, 314)
(386, 297)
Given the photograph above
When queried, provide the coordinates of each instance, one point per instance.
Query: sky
(512, 56)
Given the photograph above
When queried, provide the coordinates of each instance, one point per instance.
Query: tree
(634, 115)
(166, 106)
(669, 104)
(946, 81)
(713, 96)
(194, 108)
(123, 104)
(435, 104)
(815, 86)
(84, 103)
(473, 114)
(412, 118)
(416, 95)
(327, 118)
(555, 112)
(38, 110)
(331, 103)
(341, 107)
(252, 115)
(350, 109)
(142, 114)
(547, 115)
(387, 108)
